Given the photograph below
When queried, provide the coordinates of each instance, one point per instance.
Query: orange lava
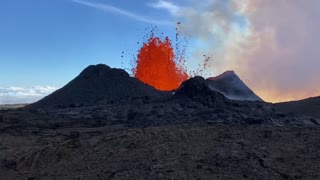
(156, 65)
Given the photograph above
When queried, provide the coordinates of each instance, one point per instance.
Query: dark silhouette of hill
(231, 86)
(95, 85)
(306, 107)
(197, 89)
(100, 84)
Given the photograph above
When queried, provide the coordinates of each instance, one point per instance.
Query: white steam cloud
(273, 45)
(18, 95)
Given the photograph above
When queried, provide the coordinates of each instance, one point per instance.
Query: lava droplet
(156, 65)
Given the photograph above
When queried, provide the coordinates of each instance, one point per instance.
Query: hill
(232, 87)
(306, 107)
(97, 84)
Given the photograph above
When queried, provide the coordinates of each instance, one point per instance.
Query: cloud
(169, 6)
(116, 10)
(272, 45)
(281, 54)
(16, 95)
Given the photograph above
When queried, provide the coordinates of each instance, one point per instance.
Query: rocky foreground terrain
(94, 129)
(188, 151)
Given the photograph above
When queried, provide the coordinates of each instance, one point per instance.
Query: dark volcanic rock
(231, 86)
(188, 151)
(97, 84)
(102, 96)
(196, 89)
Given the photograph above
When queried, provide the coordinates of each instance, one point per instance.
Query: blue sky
(44, 42)
(48, 43)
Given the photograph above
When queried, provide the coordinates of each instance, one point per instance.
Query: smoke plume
(272, 45)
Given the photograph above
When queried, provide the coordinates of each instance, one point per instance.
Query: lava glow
(156, 65)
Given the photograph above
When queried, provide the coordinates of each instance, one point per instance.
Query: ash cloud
(273, 45)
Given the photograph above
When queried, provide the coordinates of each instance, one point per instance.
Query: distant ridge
(97, 84)
(307, 107)
(231, 86)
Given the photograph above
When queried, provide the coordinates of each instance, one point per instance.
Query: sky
(272, 45)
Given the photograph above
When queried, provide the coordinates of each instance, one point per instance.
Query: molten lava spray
(156, 65)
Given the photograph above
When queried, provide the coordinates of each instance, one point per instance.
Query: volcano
(95, 85)
(193, 132)
(100, 84)
(232, 87)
